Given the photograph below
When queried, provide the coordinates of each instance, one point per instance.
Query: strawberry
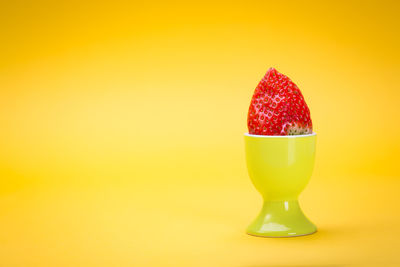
(278, 107)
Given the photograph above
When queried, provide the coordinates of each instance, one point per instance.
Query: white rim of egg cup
(280, 136)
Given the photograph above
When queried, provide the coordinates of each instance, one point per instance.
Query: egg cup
(280, 168)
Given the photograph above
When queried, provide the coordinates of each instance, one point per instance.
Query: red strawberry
(278, 107)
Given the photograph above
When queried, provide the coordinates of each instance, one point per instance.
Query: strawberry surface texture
(278, 107)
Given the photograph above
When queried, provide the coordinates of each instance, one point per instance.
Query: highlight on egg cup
(280, 168)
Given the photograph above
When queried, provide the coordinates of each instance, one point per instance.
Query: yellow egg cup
(280, 168)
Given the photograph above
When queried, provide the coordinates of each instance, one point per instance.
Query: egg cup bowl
(280, 168)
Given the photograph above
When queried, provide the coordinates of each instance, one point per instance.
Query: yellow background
(121, 139)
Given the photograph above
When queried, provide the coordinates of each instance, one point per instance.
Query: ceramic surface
(280, 168)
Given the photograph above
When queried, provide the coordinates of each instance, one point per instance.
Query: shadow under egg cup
(280, 168)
